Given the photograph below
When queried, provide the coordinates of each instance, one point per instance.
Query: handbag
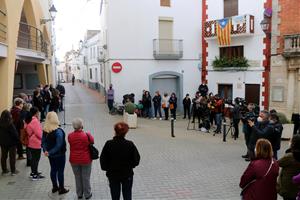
(93, 150)
(171, 106)
(246, 186)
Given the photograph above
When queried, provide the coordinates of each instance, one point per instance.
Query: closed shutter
(231, 8)
(166, 3)
(232, 52)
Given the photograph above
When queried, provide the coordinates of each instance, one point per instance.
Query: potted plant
(223, 63)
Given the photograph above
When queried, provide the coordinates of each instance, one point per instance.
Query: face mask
(272, 122)
(259, 119)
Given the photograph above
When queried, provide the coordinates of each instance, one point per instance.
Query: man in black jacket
(187, 106)
(62, 93)
(275, 138)
(118, 158)
(203, 89)
(261, 129)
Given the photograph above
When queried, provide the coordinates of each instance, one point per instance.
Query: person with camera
(260, 129)
(249, 115)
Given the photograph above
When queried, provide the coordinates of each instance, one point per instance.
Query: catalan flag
(224, 31)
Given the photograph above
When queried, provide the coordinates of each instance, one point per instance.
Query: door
(225, 91)
(252, 93)
(165, 36)
(165, 84)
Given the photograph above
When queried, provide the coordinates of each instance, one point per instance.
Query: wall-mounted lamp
(53, 12)
(265, 24)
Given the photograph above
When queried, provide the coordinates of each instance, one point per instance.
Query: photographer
(261, 129)
(249, 115)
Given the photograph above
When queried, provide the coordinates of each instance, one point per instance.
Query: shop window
(166, 3)
(232, 52)
(231, 8)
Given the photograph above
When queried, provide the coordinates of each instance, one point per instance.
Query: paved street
(193, 165)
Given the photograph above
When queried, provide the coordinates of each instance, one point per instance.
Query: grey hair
(77, 123)
(267, 114)
(18, 101)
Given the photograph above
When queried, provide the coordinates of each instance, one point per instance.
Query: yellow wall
(33, 13)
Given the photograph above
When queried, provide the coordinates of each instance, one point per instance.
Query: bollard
(172, 127)
(224, 132)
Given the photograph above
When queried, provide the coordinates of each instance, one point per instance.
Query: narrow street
(193, 165)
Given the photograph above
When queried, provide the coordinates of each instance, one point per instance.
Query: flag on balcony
(224, 31)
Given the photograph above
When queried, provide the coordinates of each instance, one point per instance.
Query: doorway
(225, 91)
(252, 93)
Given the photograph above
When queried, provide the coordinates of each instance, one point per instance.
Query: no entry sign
(116, 67)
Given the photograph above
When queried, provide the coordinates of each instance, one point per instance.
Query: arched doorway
(167, 82)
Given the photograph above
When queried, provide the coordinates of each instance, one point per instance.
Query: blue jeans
(219, 121)
(57, 165)
(115, 188)
(148, 112)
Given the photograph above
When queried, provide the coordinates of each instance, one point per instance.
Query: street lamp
(265, 25)
(53, 12)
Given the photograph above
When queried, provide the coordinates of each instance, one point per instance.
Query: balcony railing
(167, 49)
(240, 25)
(3, 27)
(31, 38)
(291, 45)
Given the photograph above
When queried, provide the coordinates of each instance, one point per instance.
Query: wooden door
(252, 93)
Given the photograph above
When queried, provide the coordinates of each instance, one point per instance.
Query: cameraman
(246, 128)
(261, 129)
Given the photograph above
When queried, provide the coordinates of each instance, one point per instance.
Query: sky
(72, 20)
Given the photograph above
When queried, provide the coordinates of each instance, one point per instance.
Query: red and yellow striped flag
(224, 31)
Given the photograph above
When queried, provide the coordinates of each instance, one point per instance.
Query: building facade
(234, 60)
(25, 47)
(151, 45)
(285, 57)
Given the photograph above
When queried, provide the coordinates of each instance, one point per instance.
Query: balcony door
(225, 91)
(252, 93)
(166, 36)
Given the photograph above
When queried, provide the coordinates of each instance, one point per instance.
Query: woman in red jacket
(34, 130)
(80, 158)
(259, 180)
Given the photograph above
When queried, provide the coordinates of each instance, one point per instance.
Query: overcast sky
(73, 18)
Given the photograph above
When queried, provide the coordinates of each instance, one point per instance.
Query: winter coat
(264, 188)
(118, 158)
(173, 100)
(157, 101)
(296, 180)
(35, 133)
(147, 101)
(203, 89)
(260, 130)
(8, 136)
(290, 167)
(37, 101)
(16, 115)
(186, 102)
(276, 136)
(79, 147)
(165, 101)
(54, 143)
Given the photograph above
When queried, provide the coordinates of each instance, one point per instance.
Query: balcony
(291, 46)
(167, 49)
(242, 25)
(3, 33)
(31, 43)
(101, 57)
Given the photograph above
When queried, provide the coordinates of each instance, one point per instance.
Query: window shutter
(166, 3)
(230, 8)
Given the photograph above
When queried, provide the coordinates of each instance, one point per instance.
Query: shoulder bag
(93, 150)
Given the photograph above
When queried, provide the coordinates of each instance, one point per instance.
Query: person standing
(290, 166)
(147, 104)
(118, 158)
(8, 142)
(203, 89)
(19, 124)
(165, 105)
(34, 130)
(157, 105)
(55, 101)
(54, 147)
(73, 79)
(236, 118)
(47, 99)
(187, 106)
(62, 93)
(173, 105)
(259, 179)
(196, 107)
(80, 158)
(277, 132)
(37, 101)
(110, 97)
(218, 110)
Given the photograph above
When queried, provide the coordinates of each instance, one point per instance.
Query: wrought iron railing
(3, 27)
(292, 45)
(167, 49)
(32, 38)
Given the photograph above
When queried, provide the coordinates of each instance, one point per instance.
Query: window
(231, 8)
(91, 73)
(225, 91)
(166, 3)
(232, 52)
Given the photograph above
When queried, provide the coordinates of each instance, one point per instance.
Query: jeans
(12, 158)
(28, 157)
(148, 112)
(173, 113)
(82, 175)
(115, 188)
(35, 159)
(187, 111)
(46, 109)
(110, 104)
(218, 121)
(157, 109)
(57, 165)
(166, 110)
(236, 127)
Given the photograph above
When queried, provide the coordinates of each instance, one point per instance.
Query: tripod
(64, 114)
(194, 124)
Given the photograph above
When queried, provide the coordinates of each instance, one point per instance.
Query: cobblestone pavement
(193, 165)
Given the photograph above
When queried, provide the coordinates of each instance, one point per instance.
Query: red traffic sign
(116, 67)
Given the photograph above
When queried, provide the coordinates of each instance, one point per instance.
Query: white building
(247, 40)
(157, 43)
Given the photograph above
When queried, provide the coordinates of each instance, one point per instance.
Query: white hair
(77, 123)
